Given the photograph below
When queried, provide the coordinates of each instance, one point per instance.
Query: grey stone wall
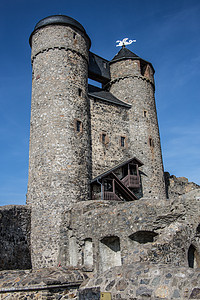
(59, 155)
(113, 121)
(146, 231)
(176, 186)
(127, 84)
(15, 221)
(145, 281)
(49, 283)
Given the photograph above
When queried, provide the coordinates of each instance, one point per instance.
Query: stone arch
(193, 257)
(109, 253)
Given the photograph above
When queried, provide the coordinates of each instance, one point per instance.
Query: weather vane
(124, 42)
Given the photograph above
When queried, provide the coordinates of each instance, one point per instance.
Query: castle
(98, 204)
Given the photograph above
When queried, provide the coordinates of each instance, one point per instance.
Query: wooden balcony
(131, 181)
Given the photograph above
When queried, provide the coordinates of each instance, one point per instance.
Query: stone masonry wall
(176, 186)
(113, 121)
(59, 155)
(146, 230)
(128, 85)
(15, 222)
(48, 284)
(144, 281)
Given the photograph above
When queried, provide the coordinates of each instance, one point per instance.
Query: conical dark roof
(124, 53)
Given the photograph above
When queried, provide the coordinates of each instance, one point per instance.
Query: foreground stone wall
(142, 230)
(15, 222)
(53, 283)
(144, 281)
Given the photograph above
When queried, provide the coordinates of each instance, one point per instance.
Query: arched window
(193, 257)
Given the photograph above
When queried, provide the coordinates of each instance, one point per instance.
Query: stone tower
(132, 81)
(59, 155)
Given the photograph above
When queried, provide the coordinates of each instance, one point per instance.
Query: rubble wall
(15, 222)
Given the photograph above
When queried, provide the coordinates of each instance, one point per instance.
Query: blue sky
(167, 34)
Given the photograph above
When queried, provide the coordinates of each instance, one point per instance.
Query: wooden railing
(111, 196)
(131, 181)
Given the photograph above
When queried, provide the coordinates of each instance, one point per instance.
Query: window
(151, 142)
(78, 125)
(193, 257)
(145, 113)
(122, 141)
(80, 92)
(103, 138)
(74, 35)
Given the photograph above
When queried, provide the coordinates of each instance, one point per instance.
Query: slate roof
(100, 94)
(124, 53)
(59, 20)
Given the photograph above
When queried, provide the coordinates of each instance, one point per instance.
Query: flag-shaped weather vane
(124, 42)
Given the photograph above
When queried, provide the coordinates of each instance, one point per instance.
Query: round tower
(132, 81)
(59, 155)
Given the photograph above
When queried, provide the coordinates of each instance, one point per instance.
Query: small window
(104, 138)
(80, 92)
(122, 141)
(74, 35)
(151, 142)
(145, 113)
(78, 126)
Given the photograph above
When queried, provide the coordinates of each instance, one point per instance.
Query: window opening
(78, 126)
(122, 141)
(150, 142)
(79, 92)
(193, 257)
(145, 113)
(103, 138)
(74, 35)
